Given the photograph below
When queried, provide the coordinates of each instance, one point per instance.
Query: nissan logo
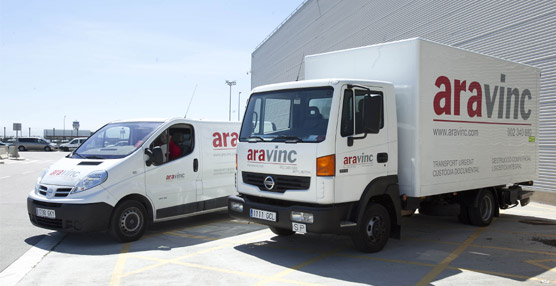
(269, 183)
(50, 193)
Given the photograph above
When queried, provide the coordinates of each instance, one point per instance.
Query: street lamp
(238, 102)
(64, 134)
(230, 83)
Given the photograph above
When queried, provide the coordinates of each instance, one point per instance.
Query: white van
(131, 173)
(73, 144)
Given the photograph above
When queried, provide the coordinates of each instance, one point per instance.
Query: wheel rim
(375, 229)
(131, 221)
(486, 208)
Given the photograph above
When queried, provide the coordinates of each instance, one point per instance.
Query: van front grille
(61, 192)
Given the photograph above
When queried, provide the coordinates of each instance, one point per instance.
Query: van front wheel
(128, 221)
(374, 230)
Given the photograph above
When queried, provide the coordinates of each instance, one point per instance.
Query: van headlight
(39, 179)
(92, 180)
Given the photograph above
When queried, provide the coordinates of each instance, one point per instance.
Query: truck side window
(348, 114)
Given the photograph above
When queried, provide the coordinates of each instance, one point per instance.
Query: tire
(47, 148)
(128, 221)
(483, 214)
(281, 231)
(373, 232)
(21, 148)
(463, 216)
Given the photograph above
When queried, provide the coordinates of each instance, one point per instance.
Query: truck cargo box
(465, 120)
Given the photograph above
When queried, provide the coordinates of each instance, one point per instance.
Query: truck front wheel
(128, 221)
(483, 214)
(374, 230)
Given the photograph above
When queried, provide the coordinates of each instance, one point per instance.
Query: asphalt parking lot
(213, 249)
(518, 248)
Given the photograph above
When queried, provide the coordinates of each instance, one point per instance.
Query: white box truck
(379, 129)
(132, 173)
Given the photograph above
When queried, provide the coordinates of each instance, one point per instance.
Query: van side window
(175, 142)
(348, 114)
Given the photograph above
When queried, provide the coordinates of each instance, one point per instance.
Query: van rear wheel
(128, 221)
(47, 148)
(21, 148)
(374, 230)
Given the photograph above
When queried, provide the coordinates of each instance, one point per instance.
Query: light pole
(64, 132)
(230, 83)
(238, 102)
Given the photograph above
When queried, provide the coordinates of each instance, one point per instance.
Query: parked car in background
(73, 144)
(3, 144)
(33, 143)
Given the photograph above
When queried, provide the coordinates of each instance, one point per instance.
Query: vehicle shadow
(162, 236)
(513, 246)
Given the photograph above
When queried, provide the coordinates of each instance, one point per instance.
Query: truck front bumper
(69, 217)
(326, 219)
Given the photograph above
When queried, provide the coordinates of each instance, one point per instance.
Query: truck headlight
(94, 179)
(302, 217)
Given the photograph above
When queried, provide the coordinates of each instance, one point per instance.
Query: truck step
(347, 224)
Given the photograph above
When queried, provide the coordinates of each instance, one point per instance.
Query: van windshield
(116, 140)
(295, 115)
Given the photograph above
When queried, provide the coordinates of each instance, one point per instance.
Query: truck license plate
(299, 227)
(46, 213)
(260, 214)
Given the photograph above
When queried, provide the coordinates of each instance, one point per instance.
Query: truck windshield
(296, 115)
(115, 140)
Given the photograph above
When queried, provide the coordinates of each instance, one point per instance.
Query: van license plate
(46, 213)
(270, 216)
(299, 227)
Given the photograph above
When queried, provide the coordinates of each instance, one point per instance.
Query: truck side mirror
(372, 114)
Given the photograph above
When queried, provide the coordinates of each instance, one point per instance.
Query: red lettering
(459, 86)
(235, 136)
(476, 99)
(217, 141)
(225, 138)
(261, 156)
(445, 95)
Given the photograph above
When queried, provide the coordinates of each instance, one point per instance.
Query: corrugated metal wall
(517, 30)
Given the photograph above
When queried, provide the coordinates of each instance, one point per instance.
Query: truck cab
(320, 156)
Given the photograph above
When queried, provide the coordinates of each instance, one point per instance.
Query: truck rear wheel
(374, 230)
(281, 231)
(483, 214)
(128, 221)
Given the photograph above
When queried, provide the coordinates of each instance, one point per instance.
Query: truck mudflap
(326, 219)
(69, 217)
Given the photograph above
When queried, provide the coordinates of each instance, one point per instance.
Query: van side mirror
(154, 156)
(372, 114)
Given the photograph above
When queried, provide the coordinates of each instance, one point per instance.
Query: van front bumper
(69, 217)
(326, 218)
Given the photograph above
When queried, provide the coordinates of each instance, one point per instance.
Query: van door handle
(382, 157)
(195, 165)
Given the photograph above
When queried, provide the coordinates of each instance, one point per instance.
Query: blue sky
(99, 61)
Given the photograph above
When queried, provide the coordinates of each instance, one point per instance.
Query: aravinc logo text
(272, 156)
(448, 100)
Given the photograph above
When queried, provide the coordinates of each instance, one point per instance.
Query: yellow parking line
(484, 246)
(538, 264)
(189, 255)
(191, 236)
(455, 254)
(120, 264)
(543, 207)
(525, 277)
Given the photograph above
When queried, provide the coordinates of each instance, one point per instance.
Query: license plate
(299, 227)
(260, 214)
(46, 213)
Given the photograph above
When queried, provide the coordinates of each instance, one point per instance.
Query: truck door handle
(382, 157)
(195, 165)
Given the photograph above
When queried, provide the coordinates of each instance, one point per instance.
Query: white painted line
(17, 270)
(4, 177)
(29, 172)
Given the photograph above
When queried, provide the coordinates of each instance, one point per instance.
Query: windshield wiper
(288, 139)
(93, 157)
(75, 153)
(255, 138)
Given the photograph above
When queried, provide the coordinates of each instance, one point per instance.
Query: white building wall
(516, 30)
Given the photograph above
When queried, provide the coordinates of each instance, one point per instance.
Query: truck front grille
(282, 182)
